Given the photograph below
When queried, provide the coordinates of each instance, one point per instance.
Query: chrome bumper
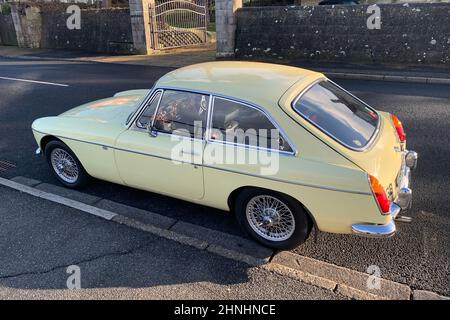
(402, 202)
(38, 152)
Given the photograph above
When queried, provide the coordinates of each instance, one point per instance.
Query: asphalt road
(39, 240)
(418, 255)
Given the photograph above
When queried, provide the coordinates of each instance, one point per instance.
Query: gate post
(140, 25)
(226, 26)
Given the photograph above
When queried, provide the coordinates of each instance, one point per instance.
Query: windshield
(338, 113)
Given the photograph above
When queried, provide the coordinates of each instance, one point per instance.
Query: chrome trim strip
(374, 134)
(73, 139)
(244, 146)
(216, 168)
(157, 156)
(135, 123)
(286, 181)
(209, 118)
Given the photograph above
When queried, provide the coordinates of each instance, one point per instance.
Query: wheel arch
(233, 195)
(46, 139)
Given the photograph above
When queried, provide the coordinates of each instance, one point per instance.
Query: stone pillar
(106, 4)
(140, 25)
(226, 26)
(28, 25)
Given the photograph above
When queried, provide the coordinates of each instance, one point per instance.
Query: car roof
(254, 82)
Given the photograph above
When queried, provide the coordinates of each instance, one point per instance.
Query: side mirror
(151, 130)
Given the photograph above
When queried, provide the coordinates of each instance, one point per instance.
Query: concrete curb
(354, 283)
(377, 77)
(350, 283)
(332, 73)
(427, 295)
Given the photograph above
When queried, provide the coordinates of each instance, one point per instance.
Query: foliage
(5, 8)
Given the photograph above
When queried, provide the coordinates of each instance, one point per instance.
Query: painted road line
(35, 81)
(58, 199)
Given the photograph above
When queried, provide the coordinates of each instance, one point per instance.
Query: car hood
(114, 109)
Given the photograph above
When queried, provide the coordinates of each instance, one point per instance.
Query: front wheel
(275, 220)
(65, 165)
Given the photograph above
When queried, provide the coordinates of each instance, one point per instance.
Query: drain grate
(6, 165)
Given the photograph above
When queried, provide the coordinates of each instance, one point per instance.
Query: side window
(147, 116)
(182, 113)
(241, 124)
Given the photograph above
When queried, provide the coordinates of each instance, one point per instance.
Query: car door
(167, 158)
(243, 139)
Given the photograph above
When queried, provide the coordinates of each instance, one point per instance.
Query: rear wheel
(275, 220)
(65, 165)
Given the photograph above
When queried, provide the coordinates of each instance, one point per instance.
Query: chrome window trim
(177, 135)
(136, 127)
(209, 116)
(135, 124)
(360, 149)
(265, 113)
(138, 110)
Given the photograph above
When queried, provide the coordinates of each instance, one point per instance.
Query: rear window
(339, 114)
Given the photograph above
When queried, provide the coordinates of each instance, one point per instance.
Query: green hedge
(5, 9)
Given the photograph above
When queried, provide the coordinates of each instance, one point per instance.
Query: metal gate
(178, 23)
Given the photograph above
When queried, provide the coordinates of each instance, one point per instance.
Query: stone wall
(103, 30)
(7, 31)
(44, 25)
(410, 33)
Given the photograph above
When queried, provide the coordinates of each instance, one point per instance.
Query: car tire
(256, 221)
(65, 165)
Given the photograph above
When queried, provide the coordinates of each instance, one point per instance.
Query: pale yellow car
(285, 149)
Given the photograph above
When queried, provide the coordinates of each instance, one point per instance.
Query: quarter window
(338, 113)
(147, 116)
(182, 113)
(241, 124)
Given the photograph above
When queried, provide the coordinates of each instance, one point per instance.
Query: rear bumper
(402, 202)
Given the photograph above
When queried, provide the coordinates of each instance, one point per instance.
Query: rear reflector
(380, 195)
(399, 127)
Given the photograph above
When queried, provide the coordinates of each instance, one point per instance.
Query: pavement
(417, 257)
(176, 58)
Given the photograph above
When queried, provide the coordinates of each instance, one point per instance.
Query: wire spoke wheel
(64, 165)
(270, 218)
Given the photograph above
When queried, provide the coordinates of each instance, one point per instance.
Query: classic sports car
(285, 149)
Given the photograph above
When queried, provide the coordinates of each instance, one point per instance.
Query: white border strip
(35, 81)
(108, 215)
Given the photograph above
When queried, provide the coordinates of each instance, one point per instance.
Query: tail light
(399, 127)
(380, 195)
